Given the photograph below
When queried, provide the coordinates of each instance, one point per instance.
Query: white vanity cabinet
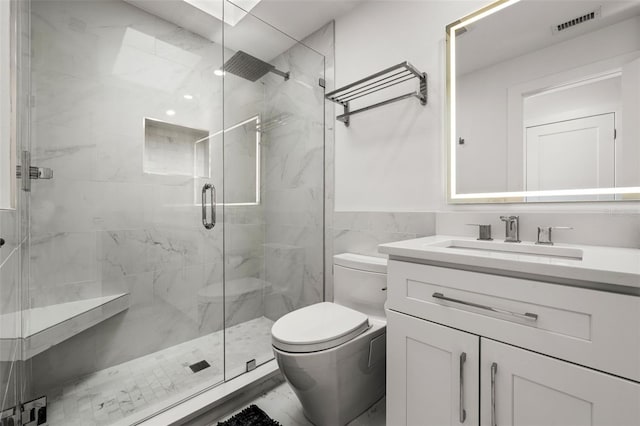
(432, 373)
(533, 389)
(535, 353)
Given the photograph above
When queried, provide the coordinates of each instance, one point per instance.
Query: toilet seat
(317, 327)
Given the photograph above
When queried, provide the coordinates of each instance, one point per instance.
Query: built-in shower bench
(49, 325)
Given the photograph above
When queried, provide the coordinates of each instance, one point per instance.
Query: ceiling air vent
(590, 16)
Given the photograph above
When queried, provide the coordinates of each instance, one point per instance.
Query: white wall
(391, 158)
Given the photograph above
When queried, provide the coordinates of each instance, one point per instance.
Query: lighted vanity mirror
(544, 102)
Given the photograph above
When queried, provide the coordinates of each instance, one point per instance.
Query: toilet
(334, 354)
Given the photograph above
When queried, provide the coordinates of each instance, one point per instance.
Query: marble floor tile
(112, 394)
(282, 405)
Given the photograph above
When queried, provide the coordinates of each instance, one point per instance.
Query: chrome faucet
(512, 228)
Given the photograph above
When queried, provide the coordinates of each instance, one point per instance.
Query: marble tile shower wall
(326, 45)
(102, 225)
(294, 179)
(323, 41)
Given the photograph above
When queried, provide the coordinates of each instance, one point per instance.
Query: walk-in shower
(185, 213)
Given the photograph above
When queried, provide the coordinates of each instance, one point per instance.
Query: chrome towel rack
(381, 80)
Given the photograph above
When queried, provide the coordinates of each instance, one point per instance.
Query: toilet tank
(360, 283)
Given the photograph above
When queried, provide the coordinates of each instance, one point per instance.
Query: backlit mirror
(544, 102)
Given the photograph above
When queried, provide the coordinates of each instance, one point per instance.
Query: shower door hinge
(322, 83)
(34, 172)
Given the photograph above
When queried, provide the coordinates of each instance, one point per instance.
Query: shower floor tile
(110, 395)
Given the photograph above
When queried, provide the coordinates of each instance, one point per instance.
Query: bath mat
(250, 416)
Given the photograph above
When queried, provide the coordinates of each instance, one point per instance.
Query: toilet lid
(317, 327)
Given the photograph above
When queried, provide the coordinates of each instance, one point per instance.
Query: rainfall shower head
(249, 67)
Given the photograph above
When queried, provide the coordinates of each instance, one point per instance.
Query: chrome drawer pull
(463, 413)
(527, 316)
(494, 370)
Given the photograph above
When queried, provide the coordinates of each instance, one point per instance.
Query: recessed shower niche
(171, 149)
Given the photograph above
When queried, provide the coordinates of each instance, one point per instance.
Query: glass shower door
(273, 185)
(14, 210)
(126, 267)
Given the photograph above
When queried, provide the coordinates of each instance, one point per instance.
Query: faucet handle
(484, 230)
(544, 234)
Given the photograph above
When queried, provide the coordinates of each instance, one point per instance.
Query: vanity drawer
(589, 327)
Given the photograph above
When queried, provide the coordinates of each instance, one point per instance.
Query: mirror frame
(624, 193)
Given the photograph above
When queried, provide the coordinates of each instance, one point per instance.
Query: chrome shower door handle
(494, 370)
(213, 205)
(208, 225)
(463, 413)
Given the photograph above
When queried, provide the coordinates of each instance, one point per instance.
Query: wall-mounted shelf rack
(384, 79)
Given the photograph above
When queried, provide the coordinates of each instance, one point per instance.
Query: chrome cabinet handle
(463, 413)
(211, 188)
(494, 370)
(527, 315)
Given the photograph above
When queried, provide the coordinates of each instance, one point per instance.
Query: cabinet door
(431, 369)
(532, 389)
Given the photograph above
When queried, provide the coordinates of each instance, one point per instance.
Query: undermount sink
(515, 248)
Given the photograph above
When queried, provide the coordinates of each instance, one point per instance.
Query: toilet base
(336, 385)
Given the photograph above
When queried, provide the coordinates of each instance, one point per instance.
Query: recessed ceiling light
(171, 112)
(219, 73)
(188, 97)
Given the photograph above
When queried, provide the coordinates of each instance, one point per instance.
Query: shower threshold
(132, 392)
(214, 403)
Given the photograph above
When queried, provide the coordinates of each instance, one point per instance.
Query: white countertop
(604, 265)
